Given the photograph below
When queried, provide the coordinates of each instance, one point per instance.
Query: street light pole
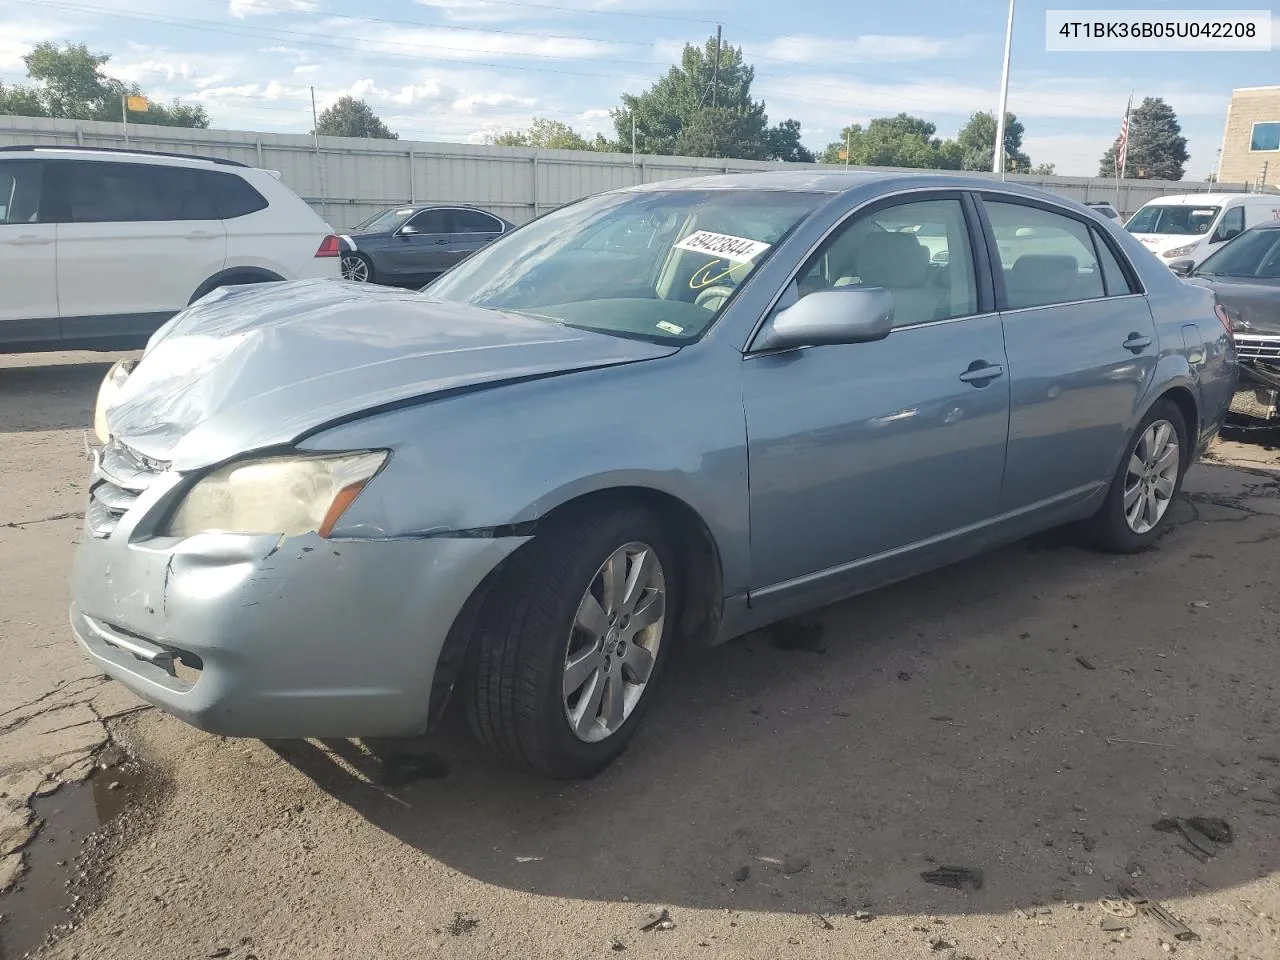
(998, 164)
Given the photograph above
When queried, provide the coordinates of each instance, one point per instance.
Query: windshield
(653, 265)
(1254, 255)
(1175, 219)
(385, 221)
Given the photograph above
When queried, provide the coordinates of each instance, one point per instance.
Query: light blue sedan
(660, 416)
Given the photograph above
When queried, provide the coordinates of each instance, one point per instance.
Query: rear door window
(432, 221)
(1045, 257)
(473, 221)
(21, 192)
(136, 193)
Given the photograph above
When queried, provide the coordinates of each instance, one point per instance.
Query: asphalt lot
(1030, 714)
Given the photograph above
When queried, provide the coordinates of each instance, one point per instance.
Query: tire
(1113, 528)
(517, 703)
(357, 268)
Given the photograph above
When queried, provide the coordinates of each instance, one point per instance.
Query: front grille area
(1257, 348)
(119, 476)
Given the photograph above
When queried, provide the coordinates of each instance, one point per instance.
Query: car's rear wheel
(356, 268)
(1149, 477)
(573, 640)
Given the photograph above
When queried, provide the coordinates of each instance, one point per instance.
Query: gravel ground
(1029, 715)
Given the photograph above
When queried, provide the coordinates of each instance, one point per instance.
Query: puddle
(63, 856)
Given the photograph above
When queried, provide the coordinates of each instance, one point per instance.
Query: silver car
(664, 415)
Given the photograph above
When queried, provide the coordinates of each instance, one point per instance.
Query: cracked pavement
(1030, 714)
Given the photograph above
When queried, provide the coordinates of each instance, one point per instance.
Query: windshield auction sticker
(734, 249)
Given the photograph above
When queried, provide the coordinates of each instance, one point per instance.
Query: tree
(349, 117)
(1044, 169)
(901, 141)
(699, 110)
(1157, 148)
(783, 143)
(545, 135)
(69, 83)
(977, 140)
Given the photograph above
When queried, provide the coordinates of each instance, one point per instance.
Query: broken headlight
(286, 495)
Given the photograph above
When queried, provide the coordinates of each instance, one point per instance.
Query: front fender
(512, 454)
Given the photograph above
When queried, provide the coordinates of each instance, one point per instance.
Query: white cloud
(248, 8)
(869, 48)
(484, 102)
(444, 43)
(18, 37)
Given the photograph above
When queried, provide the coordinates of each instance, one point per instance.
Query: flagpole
(1122, 152)
(997, 165)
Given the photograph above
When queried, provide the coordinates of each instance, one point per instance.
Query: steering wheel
(720, 290)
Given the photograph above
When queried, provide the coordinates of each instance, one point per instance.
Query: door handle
(1137, 343)
(442, 240)
(980, 373)
(201, 235)
(29, 240)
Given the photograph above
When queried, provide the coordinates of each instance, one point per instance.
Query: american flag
(1122, 151)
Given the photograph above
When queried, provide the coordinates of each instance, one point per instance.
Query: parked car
(99, 247)
(320, 510)
(414, 243)
(1192, 226)
(1104, 208)
(1244, 275)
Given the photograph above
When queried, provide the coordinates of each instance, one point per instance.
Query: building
(1251, 140)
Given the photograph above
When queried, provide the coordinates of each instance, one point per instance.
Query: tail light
(330, 246)
(1224, 318)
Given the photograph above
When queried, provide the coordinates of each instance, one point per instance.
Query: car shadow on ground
(1029, 714)
(37, 396)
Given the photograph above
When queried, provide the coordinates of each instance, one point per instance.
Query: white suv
(99, 247)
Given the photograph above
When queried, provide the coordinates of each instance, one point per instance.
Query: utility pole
(315, 135)
(848, 135)
(715, 70)
(998, 165)
(124, 116)
(633, 136)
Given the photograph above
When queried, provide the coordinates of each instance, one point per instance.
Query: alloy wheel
(355, 269)
(1151, 477)
(614, 642)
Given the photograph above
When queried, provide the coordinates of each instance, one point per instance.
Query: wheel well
(1182, 399)
(702, 588)
(232, 277)
(699, 554)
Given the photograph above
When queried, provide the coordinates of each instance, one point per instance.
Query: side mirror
(1182, 267)
(838, 315)
(408, 230)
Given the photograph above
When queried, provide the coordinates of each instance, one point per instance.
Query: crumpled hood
(1254, 307)
(257, 366)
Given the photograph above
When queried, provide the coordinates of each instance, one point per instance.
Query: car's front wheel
(356, 268)
(573, 640)
(1149, 477)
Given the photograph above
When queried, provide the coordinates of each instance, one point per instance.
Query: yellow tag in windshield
(669, 327)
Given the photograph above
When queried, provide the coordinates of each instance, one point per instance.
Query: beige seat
(899, 263)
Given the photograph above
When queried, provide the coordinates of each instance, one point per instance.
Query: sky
(457, 70)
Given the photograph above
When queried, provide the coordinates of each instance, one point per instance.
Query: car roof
(1210, 199)
(836, 182)
(70, 152)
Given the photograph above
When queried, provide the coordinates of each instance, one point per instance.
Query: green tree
(69, 83)
(349, 117)
(977, 140)
(1044, 169)
(20, 101)
(545, 135)
(1157, 148)
(698, 110)
(901, 141)
(783, 143)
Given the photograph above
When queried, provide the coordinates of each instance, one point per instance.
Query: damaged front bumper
(266, 636)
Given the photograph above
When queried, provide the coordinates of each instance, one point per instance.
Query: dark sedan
(414, 243)
(1245, 275)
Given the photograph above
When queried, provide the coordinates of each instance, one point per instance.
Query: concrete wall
(346, 180)
(1239, 163)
